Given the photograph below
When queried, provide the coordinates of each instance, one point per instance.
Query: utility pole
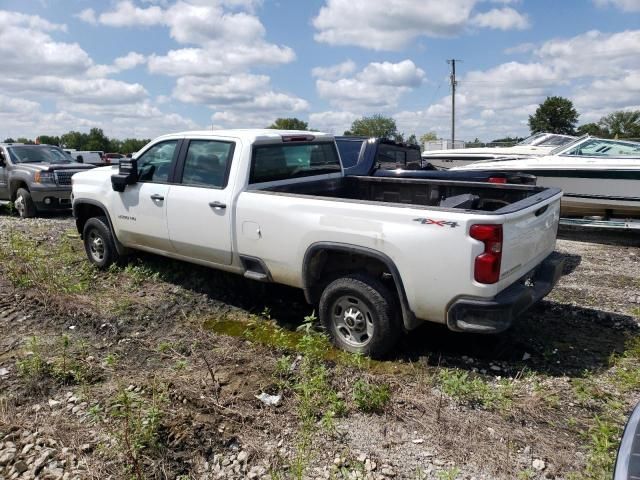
(452, 78)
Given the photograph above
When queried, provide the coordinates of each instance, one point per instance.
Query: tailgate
(529, 236)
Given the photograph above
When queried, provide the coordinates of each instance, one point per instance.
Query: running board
(603, 224)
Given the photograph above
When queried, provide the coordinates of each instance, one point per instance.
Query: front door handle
(217, 205)
(155, 196)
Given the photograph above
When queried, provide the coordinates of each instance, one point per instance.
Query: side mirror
(2, 162)
(129, 155)
(127, 175)
(79, 159)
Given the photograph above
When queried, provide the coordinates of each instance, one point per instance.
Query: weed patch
(474, 391)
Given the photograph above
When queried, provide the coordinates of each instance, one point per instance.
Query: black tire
(24, 204)
(99, 244)
(361, 315)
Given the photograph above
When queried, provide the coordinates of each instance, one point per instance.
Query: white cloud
(393, 24)
(205, 62)
(120, 64)
(377, 86)
(87, 15)
(126, 14)
(332, 122)
(335, 71)
(624, 5)
(501, 19)
(401, 74)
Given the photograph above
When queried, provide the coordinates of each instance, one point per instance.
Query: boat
(537, 144)
(600, 177)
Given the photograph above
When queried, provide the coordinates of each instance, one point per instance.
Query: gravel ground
(145, 329)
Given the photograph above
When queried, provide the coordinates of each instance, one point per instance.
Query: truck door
(199, 209)
(140, 212)
(4, 176)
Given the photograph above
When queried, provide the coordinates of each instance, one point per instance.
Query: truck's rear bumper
(496, 314)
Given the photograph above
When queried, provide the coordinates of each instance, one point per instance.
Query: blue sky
(147, 67)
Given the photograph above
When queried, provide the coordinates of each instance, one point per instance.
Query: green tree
(594, 129)
(48, 140)
(554, 115)
(412, 140)
(9, 140)
(624, 124)
(97, 140)
(24, 140)
(374, 126)
(73, 139)
(132, 145)
(428, 137)
(289, 124)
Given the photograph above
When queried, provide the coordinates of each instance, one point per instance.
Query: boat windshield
(598, 147)
(568, 146)
(555, 140)
(532, 139)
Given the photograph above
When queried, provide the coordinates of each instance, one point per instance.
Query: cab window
(206, 163)
(154, 165)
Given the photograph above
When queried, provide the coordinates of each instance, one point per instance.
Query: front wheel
(24, 204)
(99, 243)
(361, 315)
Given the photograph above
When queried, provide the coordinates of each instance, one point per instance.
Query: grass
(371, 397)
(134, 422)
(66, 364)
(603, 434)
(51, 268)
(474, 391)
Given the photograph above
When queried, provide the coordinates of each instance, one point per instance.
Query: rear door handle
(217, 205)
(155, 196)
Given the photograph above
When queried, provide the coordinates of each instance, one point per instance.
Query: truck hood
(41, 167)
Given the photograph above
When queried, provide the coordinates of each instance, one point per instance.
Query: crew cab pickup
(376, 255)
(36, 178)
(381, 157)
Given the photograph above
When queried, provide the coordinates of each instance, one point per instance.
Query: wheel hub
(96, 246)
(353, 321)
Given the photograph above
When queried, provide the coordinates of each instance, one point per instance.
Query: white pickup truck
(376, 255)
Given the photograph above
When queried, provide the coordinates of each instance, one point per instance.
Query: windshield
(349, 151)
(292, 160)
(531, 139)
(555, 140)
(597, 147)
(567, 146)
(39, 154)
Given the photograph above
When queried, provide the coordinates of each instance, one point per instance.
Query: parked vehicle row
(276, 206)
(599, 177)
(36, 178)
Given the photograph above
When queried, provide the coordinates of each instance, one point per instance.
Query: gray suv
(36, 178)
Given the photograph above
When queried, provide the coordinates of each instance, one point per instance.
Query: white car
(377, 255)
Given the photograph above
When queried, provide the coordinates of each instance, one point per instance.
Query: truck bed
(478, 197)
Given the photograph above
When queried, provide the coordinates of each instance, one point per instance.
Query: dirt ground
(152, 370)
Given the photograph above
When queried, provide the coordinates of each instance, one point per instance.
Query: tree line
(558, 115)
(554, 115)
(95, 140)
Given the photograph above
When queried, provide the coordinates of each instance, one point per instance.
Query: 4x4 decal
(439, 223)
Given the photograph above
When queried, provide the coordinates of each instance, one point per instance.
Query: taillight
(497, 180)
(487, 265)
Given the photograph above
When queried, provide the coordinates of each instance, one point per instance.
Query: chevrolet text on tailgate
(378, 256)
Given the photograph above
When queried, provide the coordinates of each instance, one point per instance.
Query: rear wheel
(24, 204)
(99, 243)
(361, 315)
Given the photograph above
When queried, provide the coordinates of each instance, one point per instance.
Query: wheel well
(84, 212)
(15, 186)
(325, 265)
